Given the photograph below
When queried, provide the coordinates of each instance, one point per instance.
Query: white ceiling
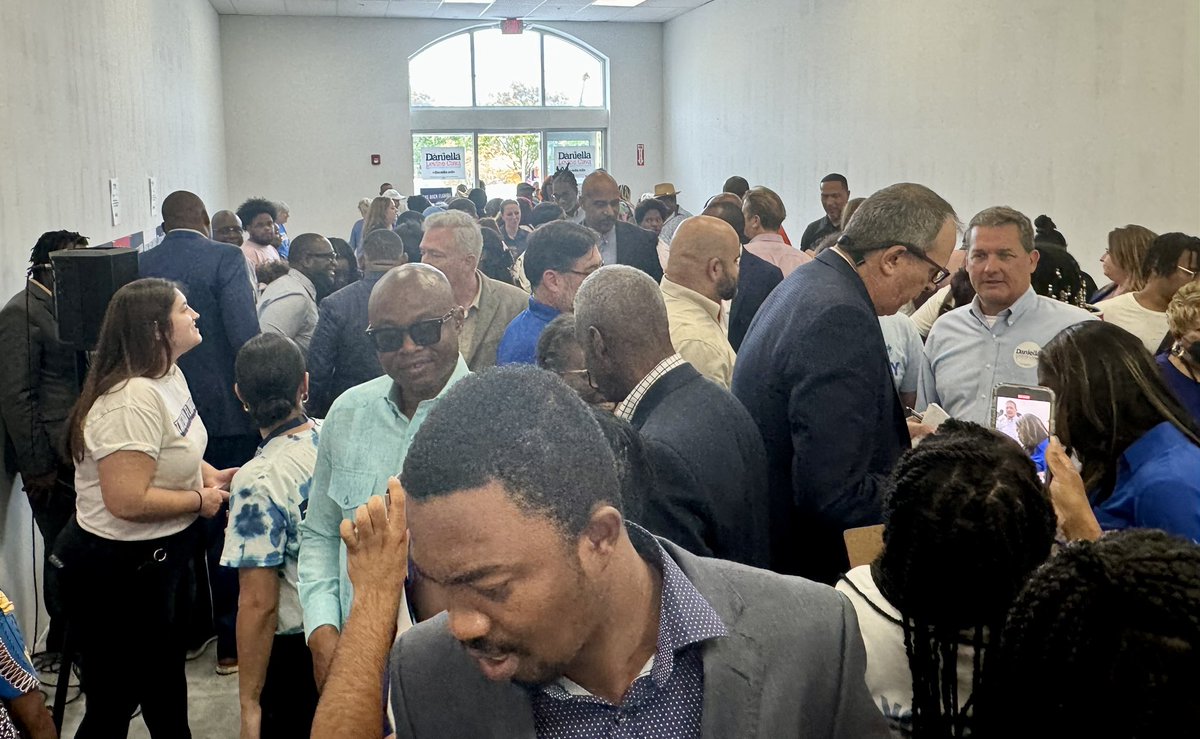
(651, 11)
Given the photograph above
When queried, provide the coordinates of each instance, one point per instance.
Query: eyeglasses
(423, 333)
(588, 273)
(1189, 272)
(939, 274)
(584, 373)
(329, 255)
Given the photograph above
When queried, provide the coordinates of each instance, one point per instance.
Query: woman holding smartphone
(1139, 448)
(141, 482)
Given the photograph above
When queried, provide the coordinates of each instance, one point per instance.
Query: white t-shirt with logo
(1148, 325)
(154, 416)
(905, 350)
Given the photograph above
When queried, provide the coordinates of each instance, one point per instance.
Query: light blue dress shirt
(364, 441)
(965, 359)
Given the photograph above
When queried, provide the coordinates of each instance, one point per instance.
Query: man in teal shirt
(415, 326)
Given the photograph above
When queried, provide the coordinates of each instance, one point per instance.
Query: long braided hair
(967, 520)
(1103, 641)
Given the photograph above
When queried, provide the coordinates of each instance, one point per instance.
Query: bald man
(620, 242)
(415, 323)
(708, 459)
(702, 272)
(218, 285)
(756, 276)
(227, 228)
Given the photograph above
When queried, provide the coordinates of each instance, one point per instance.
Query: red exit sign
(511, 25)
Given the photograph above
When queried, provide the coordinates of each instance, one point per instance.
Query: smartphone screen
(1025, 414)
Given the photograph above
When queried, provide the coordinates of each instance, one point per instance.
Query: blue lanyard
(281, 430)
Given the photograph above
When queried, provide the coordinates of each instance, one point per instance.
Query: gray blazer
(499, 304)
(793, 665)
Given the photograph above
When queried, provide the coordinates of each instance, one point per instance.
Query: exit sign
(511, 26)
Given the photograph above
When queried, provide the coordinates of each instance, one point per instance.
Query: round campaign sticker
(1026, 354)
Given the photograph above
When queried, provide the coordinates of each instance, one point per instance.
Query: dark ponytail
(268, 371)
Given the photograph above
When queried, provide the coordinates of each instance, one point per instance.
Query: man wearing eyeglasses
(814, 374)
(289, 304)
(415, 324)
(997, 337)
(557, 258)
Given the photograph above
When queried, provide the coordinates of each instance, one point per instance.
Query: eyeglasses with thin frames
(1189, 272)
(938, 276)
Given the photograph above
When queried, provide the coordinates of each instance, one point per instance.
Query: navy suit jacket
(638, 247)
(710, 493)
(341, 355)
(756, 279)
(813, 372)
(216, 281)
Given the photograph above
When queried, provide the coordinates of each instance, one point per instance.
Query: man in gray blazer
(562, 618)
(453, 244)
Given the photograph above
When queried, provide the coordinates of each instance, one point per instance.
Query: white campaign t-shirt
(1148, 325)
(905, 350)
(889, 678)
(156, 417)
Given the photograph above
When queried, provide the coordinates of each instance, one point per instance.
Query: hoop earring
(304, 398)
(246, 407)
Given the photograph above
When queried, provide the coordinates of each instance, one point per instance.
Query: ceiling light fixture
(618, 3)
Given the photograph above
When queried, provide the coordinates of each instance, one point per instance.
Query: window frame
(533, 27)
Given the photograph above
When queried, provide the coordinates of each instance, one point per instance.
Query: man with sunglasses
(289, 304)
(814, 374)
(415, 324)
(556, 260)
(997, 337)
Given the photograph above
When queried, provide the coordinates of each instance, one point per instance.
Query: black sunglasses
(940, 274)
(423, 333)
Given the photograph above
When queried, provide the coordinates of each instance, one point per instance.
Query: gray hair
(906, 212)
(466, 231)
(625, 305)
(1002, 215)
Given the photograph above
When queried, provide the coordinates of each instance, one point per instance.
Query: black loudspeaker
(84, 282)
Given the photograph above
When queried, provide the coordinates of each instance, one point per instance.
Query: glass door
(579, 150)
(508, 159)
(442, 162)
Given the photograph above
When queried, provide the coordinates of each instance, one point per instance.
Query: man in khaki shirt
(702, 270)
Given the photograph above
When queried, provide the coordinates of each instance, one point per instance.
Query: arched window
(484, 68)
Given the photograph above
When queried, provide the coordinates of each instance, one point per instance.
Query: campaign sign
(437, 195)
(580, 159)
(444, 163)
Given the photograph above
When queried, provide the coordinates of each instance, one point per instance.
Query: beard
(727, 288)
(324, 284)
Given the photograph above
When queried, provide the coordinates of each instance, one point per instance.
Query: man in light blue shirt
(999, 336)
(415, 325)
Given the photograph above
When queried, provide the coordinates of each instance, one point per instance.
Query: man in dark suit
(620, 242)
(813, 372)
(554, 603)
(756, 276)
(217, 282)
(835, 193)
(39, 383)
(704, 448)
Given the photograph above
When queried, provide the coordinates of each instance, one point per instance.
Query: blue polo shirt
(1157, 486)
(519, 344)
(965, 358)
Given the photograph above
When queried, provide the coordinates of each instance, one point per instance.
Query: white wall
(88, 91)
(105, 88)
(308, 100)
(1089, 112)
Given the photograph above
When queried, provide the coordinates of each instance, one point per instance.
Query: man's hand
(918, 430)
(377, 544)
(1067, 493)
(39, 487)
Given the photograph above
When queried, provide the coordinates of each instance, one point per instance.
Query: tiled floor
(212, 703)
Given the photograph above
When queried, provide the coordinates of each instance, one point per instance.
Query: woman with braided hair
(1140, 449)
(965, 522)
(1104, 641)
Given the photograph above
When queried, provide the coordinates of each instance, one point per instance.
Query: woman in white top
(966, 520)
(269, 496)
(141, 482)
